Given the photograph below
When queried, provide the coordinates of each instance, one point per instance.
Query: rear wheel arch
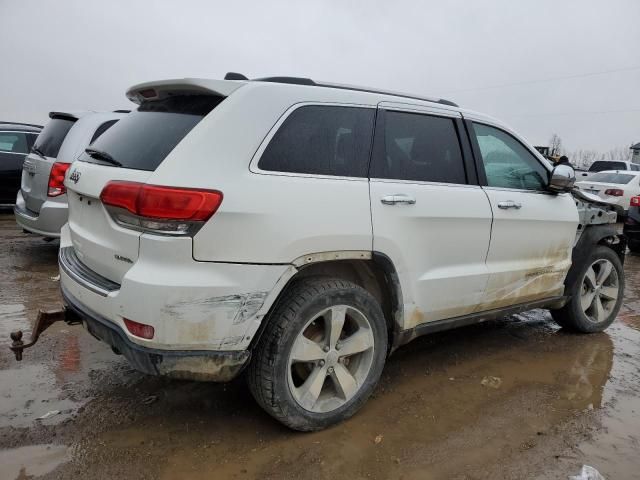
(376, 274)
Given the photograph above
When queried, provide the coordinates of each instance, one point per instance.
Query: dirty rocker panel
(202, 365)
(406, 336)
(86, 277)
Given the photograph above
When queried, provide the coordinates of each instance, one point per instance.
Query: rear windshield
(143, 139)
(53, 134)
(601, 165)
(608, 177)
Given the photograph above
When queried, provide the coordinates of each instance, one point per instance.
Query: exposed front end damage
(592, 210)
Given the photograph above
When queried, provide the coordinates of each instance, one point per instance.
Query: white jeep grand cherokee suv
(304, 231)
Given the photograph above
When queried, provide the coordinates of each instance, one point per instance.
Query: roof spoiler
(64, 116)
(184, 86)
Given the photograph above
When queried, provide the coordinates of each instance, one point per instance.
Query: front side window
(322, 140)
(507, 163)
(419, 147)
(13, 142)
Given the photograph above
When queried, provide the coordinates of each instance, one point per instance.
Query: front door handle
(509, 204)
(398, 198)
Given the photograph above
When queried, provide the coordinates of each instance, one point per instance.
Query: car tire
(308, 370)
(596, 295)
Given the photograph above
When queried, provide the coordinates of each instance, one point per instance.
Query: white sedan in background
(614, 186)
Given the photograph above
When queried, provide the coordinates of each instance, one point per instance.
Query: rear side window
(102, 128)
(13, 142)
(601, 165)
(419, 147)
(607, 177)
(322, 140)
(635, 168)
(143, 139)
(53, 134)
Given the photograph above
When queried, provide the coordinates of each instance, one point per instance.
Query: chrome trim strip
(72, 266)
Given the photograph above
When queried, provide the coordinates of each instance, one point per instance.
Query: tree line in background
(584, 158)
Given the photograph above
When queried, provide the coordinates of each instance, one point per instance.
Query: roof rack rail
(291, 80)
(441, 101)
(310, 82)
(122, 111)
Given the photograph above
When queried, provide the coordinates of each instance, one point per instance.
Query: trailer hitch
(44, 320)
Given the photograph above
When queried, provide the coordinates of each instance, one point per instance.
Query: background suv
(306, 230)
(16, 139)
(41, 203)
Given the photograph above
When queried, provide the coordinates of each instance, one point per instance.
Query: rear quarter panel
(264, 218)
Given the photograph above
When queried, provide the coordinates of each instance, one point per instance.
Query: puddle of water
(29, 392)
(31, 461)
(13, 318)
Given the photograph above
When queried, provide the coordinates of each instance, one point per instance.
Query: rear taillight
(635, 201)
(139, 329)
(159, 209)
(56, 179)
(614, 192)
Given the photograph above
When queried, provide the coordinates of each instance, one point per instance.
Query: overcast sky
(494, 56)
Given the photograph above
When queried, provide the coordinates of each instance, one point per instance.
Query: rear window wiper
(37, 151)
(104, 156)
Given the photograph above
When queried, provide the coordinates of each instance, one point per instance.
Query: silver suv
(41, 204)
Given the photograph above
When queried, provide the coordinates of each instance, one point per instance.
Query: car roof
(20, 127)
(234, 81)
(351, 93)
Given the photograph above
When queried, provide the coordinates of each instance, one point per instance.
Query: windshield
(610, 177)
(143, 139)
(53, 134)
(601, 165)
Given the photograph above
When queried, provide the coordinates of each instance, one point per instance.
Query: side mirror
(562, 178)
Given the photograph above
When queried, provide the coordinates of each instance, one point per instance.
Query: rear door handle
(509, 204)
(398, 198)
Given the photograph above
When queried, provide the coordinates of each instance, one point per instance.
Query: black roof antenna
(235, 76)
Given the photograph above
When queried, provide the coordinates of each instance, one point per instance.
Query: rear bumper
(192, 306)
(214, 366)
(48, 222)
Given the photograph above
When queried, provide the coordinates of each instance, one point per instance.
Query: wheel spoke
(598, 310)
(586, 300)
(309, 391)
(344, 382)
(590, 278)
(359, 342)
(306, 350)
(609, 293)
(335, 323)
(605, 271)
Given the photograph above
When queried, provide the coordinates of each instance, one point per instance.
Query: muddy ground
(557, 401)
